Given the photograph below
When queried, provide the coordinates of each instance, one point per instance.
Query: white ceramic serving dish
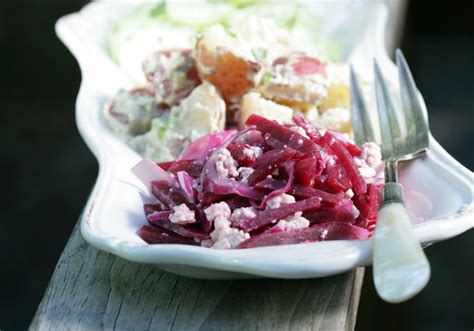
(438, 188)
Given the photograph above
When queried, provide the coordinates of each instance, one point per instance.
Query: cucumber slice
(283, 14)
(198, 12)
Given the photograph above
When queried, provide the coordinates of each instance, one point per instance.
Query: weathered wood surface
(91, 289)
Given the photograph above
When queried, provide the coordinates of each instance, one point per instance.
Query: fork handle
(400, 267)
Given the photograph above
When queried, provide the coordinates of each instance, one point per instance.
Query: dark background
(47, 171)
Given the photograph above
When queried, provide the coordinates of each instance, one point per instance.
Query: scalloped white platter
(438, 190)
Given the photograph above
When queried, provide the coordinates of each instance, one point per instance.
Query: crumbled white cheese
(223, 236)
(243, 214)
(371, 154)
(369, 160)
(349, 193)
(182, 215)
(279, 200)
(324, 234)
(226, 166)
(293, 222)
(228, 237)
(252, 152)
(355, 212)
(244, 174)
(365, 170)
(216, 210)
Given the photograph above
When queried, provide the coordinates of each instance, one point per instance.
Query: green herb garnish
(158, 9)
(259, 53)
(267, 76)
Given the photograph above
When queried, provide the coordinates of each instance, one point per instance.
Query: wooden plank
(91, 289)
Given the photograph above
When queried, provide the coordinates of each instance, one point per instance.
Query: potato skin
(131, 111)
(231, 74)
(172, 74)
(297, 80)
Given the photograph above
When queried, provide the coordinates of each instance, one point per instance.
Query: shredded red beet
(154, 235)
(319, 232)
(267, 216)
(285, 135)
(280, 187)
(345, 158)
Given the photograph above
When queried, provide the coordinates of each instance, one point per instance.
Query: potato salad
(196, 76)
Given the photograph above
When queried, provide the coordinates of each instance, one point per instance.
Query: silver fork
(400, 267)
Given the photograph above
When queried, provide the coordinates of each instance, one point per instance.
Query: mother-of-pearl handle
(400, 266)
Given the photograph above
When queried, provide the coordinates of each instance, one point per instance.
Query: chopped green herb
(236, 3)
(259, 53)
(290, 24)
(158, 9)
(162, 131)
(231, 33)
(267, 76)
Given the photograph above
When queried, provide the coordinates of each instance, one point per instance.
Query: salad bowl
(438, 189)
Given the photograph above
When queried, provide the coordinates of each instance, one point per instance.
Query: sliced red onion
(192, 167)
(186, 182)
(148, 171)
(159, 216)
(290, 168)
(214, 184)
(200, 148)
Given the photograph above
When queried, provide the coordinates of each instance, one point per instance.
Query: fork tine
(389, 121)
(413, 105)
(361, 122)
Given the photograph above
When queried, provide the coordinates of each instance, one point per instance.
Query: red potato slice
(172, 74)
(218, 62)
(253, 103)
(296, 80)
(131, 111)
